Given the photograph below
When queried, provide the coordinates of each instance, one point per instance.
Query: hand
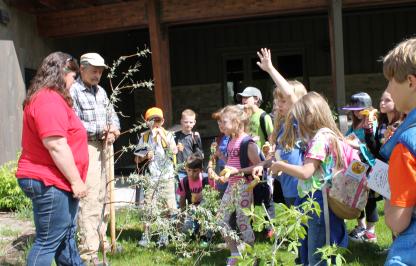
(111, 134)
(180, 147)
(275, 168)
(257, 171)
(150, 155)
(79, 189)
(265, 57)
(232, 170)
(111, 138)
(368, 123)
(114, 131)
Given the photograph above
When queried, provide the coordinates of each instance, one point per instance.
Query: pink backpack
(346, 195)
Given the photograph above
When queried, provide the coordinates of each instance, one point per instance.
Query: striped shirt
(91, 105)
(233, 157)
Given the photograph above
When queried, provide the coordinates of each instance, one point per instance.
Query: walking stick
(112, 199)
(109, 167)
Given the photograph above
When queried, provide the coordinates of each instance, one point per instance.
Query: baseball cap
(153, 112)
(250, 91)
(93, 59)
(358, 101)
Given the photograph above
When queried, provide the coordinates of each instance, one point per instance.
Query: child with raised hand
(400, 216)
(237, 195)
(285, 94)
(287, 89)
(323, 156)
(364, 125)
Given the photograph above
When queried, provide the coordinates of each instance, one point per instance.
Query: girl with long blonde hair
(285, 94)
(323, 156)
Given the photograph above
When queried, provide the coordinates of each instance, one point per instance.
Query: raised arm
(265, 64)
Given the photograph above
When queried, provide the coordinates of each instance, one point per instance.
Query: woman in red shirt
(54, 161)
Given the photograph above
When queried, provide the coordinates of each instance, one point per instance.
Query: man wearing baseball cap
(90, 103)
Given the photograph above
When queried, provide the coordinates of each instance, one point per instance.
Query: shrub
(12, 197)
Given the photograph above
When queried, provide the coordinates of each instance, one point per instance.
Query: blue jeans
(316, 233)
(55, 213)
(403, 249)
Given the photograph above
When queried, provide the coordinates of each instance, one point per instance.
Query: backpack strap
(187, 189)
(263, 125)
(205, 182)
(146, 136)
(326, 214)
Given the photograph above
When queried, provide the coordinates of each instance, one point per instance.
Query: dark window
(256, 72)
(290, 66)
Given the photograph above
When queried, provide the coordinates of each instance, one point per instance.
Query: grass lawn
(132, 254)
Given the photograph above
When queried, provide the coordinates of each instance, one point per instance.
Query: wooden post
(159, 42)
(337, 52)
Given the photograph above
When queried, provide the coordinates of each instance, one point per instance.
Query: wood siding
(196, 51)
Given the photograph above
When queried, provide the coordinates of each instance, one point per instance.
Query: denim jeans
(316, 234)
(55, 213)
(403, 249)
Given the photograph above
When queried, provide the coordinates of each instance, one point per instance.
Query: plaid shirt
(90, 104)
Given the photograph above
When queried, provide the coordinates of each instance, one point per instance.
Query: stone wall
(372, 83)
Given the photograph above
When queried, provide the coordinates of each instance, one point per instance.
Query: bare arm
(304, 171)
(63, 158)
(182, 203)
(265, 64)
(397, 218)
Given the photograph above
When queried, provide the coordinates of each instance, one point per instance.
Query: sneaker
(163, 241)
(357, 234)
(232, 261)
(369, 237)
(145, 241)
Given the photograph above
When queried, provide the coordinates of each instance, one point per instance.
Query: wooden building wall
(197, 55)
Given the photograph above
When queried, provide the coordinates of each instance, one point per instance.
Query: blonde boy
(399, 67)
(188, 141)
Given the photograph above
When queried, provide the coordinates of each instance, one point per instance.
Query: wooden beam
(128, 15)
(159, 43)
(94, 19)
(183, 12)
(52, 4)
(337, 51)
(87, 3)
